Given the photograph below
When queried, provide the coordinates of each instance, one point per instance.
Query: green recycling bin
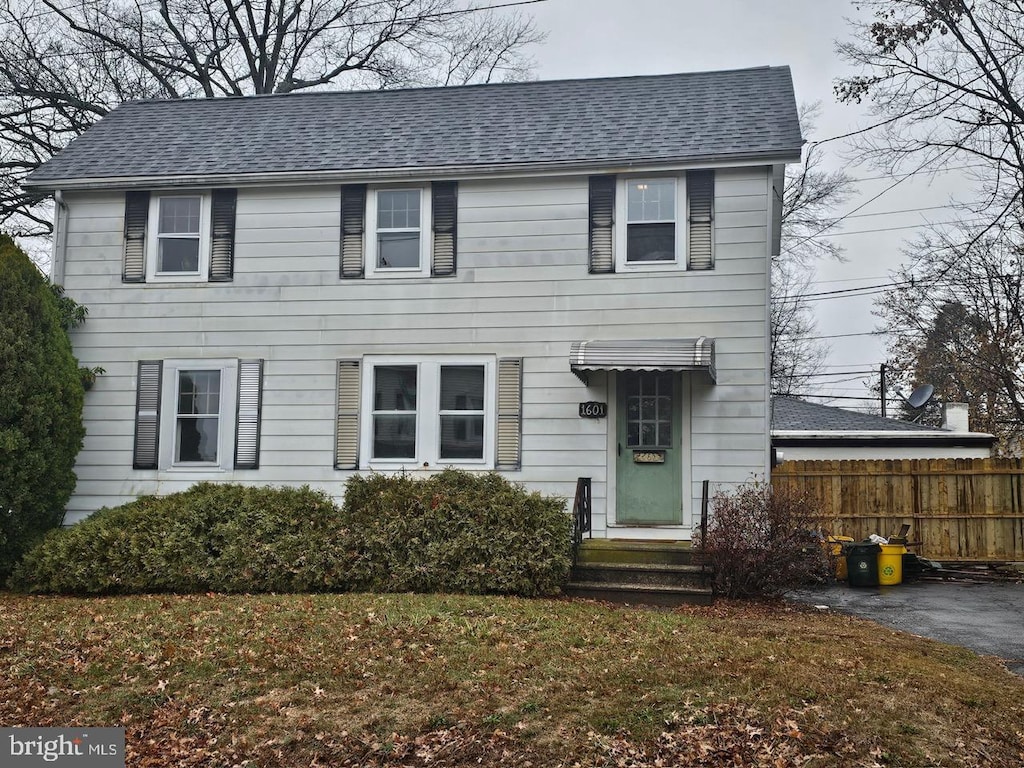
(862, 564)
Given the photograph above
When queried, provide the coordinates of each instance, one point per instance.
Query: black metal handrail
(581, 513)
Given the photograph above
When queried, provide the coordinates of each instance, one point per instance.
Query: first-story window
(197, 427)
(462, 412)
(198, 414)
(428, 412)
(394, 412)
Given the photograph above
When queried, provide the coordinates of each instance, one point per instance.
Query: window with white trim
(399, 230)
(197, 420)
(652, 231)
(179, 237)
(433, 412)
(198, 411)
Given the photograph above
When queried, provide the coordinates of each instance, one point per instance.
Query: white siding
(522, 290)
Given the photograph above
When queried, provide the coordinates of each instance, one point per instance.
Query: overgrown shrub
(40, 407)
(762, 543)
(453, 532)
(456, 532)
(224, 538)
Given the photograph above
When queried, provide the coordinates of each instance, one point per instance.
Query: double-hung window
(197, 418)
(179, 243)
(650, 220)
(661, 222)
(178, 235)
(428, 412)
(399, 242)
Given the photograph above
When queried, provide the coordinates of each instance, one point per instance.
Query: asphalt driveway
(987, 618)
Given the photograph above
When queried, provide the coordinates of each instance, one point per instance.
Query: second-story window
(399, 242)
(179, 235)
(398, 229)
(650, 220)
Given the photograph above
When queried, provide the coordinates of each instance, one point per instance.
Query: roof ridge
(510, 84)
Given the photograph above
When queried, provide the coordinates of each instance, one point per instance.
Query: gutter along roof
(731, 116)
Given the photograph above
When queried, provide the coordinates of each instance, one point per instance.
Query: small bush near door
(452, 532)
(762, 543)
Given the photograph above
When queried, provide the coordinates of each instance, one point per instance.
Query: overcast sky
(595, 38)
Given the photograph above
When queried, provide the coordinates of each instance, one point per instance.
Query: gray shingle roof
(793, 414)
(749, 113)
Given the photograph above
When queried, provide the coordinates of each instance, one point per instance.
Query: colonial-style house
(553, 280)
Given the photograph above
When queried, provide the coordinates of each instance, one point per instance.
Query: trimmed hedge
(456, 532)
(452, 532)
(221, 538)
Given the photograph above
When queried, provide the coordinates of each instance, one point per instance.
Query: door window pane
(198, 417)
(462, 412)
(648, 399)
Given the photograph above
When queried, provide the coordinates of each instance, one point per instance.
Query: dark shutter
(602, 219)
(346, 446)
(510, 413)
(222, 249)
(147, 414)
(250, 405)
(353, 215)
(700, 193)
(445, 212)
(136, 215)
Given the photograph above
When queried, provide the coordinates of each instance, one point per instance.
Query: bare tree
(810, 197)
(945, 82)
(66, 63)
(964, 334)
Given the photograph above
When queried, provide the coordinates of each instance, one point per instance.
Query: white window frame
(169, 414)
(153, 240)
(426, 233)
(428, 413)
(622, 225)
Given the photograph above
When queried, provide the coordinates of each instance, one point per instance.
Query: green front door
(648, 471)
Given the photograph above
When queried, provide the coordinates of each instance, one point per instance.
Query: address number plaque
(593, 410)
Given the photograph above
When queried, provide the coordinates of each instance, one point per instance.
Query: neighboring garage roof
(747, 114)
(794, 414)
(796, 422)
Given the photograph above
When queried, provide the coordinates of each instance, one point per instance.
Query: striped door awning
(643, 355)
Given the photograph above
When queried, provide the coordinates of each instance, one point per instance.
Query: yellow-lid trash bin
(890, 564)
(836, 544)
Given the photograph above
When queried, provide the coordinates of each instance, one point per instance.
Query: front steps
(639, 572)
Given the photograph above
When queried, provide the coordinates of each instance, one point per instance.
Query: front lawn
(445, 680)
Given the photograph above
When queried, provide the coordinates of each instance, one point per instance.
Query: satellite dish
(920, 396)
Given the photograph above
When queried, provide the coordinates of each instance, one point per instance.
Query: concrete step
(644, 574)
(636, 594)
(637, 551)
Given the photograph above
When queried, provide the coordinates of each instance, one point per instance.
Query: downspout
(60, 239)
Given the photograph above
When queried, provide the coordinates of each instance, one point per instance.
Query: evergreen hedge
(452, 532)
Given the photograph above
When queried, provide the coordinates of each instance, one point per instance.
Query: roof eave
(598, 166)
(895, 438)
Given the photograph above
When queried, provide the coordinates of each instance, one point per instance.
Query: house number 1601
(593, 410)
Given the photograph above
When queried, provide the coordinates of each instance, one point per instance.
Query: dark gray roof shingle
(793, 414)
(680, 117)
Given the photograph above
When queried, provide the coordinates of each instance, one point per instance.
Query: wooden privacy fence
(959, 509)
